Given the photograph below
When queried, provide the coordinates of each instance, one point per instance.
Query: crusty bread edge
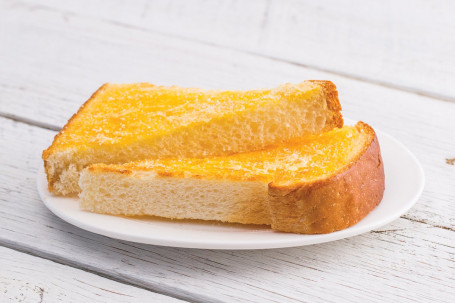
(51, 149)
(333, 203)
(333, 103)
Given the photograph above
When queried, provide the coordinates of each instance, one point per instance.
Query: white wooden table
(393, 63)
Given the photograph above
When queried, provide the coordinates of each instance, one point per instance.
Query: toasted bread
(129, 122)
(318, 184)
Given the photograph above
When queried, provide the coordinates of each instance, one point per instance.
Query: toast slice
(129, 122)
(318, 184)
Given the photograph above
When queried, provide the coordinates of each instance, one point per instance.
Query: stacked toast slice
(129, 122)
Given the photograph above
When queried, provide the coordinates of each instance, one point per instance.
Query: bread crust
(334, 203)
(333, 103)
(52, 178)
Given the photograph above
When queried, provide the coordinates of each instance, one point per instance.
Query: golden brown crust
(334, 203)
(333, 103)
(52, 178)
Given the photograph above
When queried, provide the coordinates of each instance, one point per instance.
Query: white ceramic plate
(404, 183)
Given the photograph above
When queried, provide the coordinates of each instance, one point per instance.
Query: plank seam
(386, 84)
(69, 263)
(30, 122)
(174, 293)
(428, 223)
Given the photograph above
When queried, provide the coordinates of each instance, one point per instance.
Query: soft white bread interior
(147, 193)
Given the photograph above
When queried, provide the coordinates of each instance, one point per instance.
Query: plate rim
(298, 240)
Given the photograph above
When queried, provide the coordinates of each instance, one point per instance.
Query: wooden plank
(63, 74)
(25, 278)
(401, 44)
(406, 260)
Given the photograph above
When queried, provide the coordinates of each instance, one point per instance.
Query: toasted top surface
(308, 159)
(121, 113)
